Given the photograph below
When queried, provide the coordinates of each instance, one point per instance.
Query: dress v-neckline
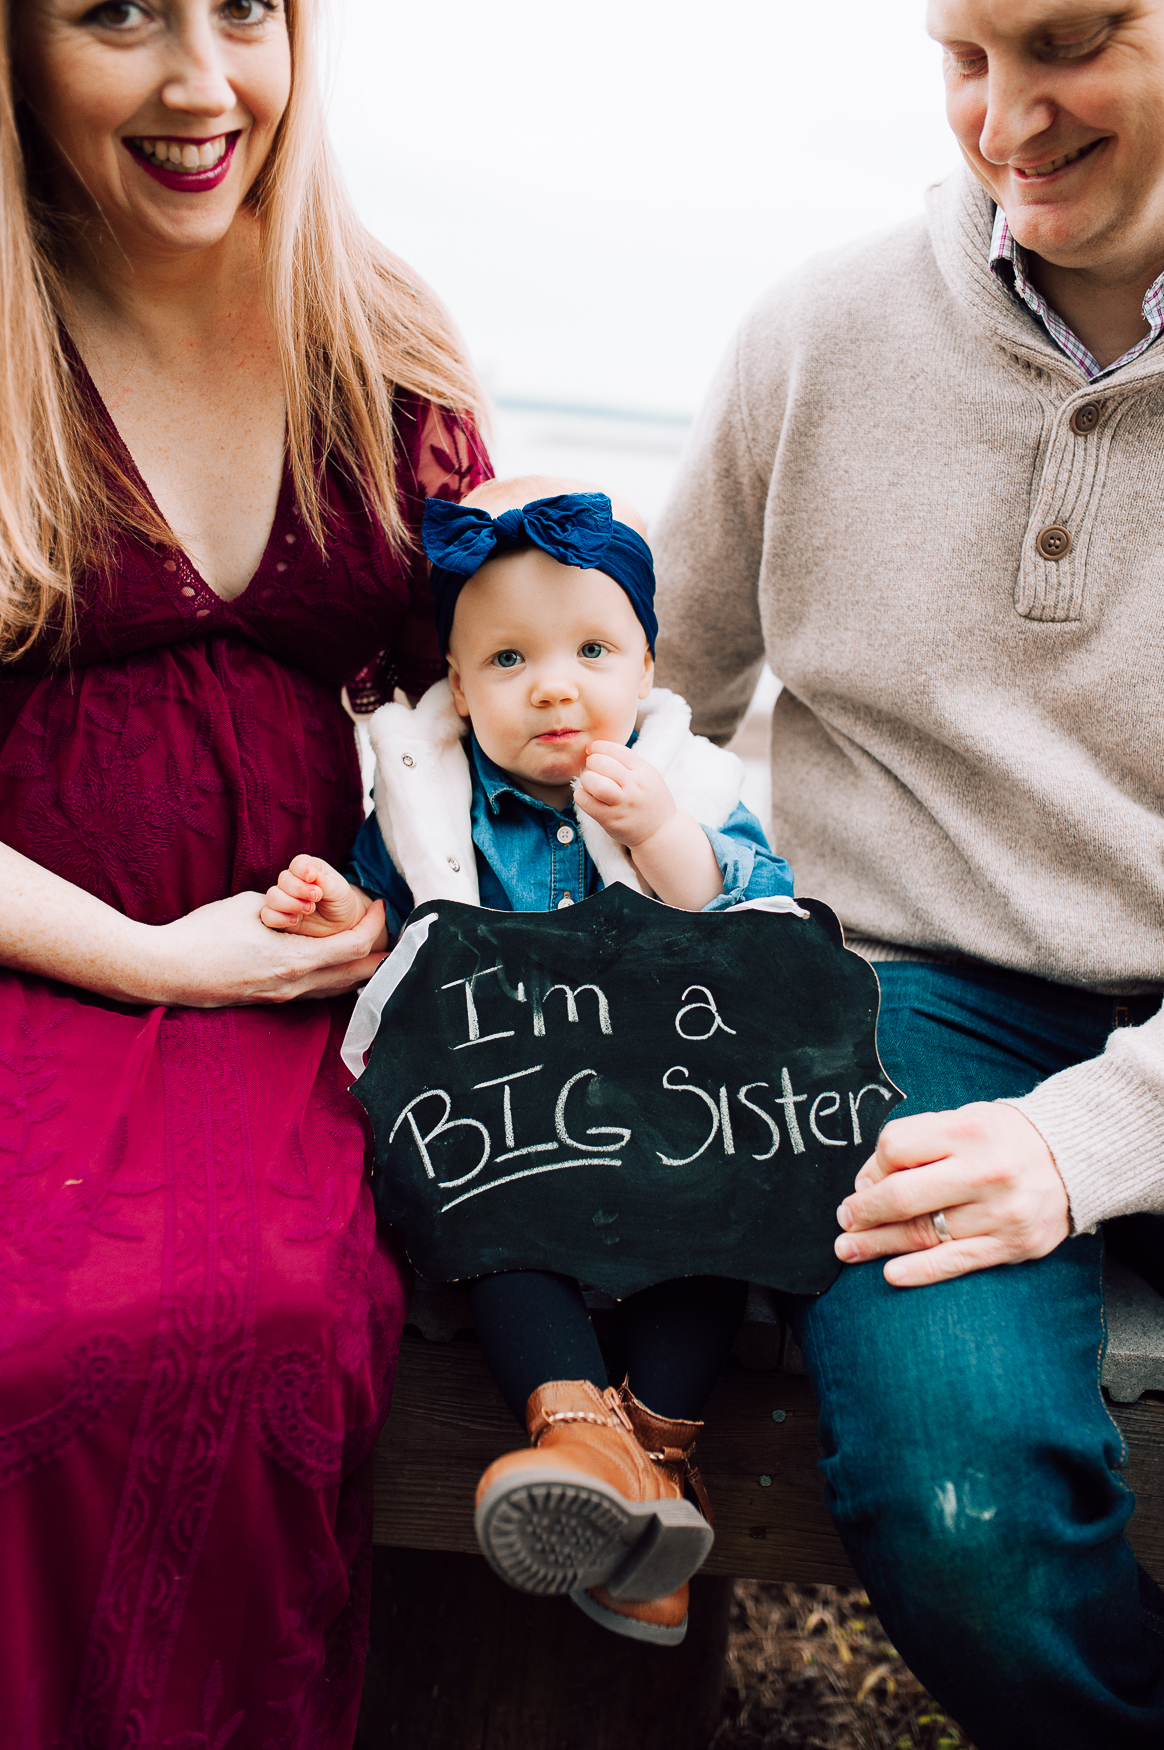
(180, 558)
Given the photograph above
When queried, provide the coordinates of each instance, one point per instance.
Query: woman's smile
(192, 165)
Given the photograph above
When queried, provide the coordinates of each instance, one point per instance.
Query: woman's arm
(219, 956)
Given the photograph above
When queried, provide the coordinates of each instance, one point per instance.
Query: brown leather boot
(670, 1446)
(586, 1506)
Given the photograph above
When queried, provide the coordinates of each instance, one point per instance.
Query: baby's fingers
(601, 788)
(279, 920)
(295, 888)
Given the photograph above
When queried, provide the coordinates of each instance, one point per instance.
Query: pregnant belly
(178, 777)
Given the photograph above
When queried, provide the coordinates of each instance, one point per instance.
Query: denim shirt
(531, 857)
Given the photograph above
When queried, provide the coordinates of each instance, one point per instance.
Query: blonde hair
(354, 325)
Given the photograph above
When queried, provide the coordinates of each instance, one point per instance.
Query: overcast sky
(600, 190)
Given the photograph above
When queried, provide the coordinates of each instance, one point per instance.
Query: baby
(543, 595)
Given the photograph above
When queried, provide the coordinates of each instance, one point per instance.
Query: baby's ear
(460, 703)
(648, 679)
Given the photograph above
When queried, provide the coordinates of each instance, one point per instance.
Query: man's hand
(985, 1166)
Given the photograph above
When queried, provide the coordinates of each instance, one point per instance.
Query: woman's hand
(984, 1166)
(219, 955)
(222, 955)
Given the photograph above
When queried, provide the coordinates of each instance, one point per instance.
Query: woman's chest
(209, 444)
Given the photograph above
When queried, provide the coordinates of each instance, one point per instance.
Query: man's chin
(1067, 233)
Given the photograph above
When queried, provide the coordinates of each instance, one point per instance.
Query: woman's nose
(196, 83)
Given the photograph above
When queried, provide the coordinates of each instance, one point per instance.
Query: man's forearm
(1104, 1123)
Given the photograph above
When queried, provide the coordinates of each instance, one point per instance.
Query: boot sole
(551, 1532)
(629, 1626)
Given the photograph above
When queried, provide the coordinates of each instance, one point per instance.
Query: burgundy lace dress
(198, 1322)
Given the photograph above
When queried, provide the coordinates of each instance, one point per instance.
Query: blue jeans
(970, 1464)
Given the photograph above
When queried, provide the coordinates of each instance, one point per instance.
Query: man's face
(1058, 106)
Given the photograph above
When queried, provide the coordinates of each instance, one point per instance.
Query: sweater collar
(1008, 260)
(960, 216)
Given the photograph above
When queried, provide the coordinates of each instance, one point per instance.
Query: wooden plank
(1142, 1426)
(448, 1422)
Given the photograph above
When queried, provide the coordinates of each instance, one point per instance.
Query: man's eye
(1073, 51)
(969, 65)
(592, 651)
(508, 659)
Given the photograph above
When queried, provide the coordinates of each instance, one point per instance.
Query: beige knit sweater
(968, 754)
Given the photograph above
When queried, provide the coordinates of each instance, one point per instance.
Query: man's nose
(196, 81)
(1018, 110)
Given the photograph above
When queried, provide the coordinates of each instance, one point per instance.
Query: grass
(810, 1666)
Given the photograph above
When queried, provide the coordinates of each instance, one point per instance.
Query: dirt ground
(810, 1666)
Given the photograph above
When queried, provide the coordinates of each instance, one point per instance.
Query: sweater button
(1054, 543)
(1085, 419)
(565, 835)
(406, 759)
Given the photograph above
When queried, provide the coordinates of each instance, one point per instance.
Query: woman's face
(159, 113)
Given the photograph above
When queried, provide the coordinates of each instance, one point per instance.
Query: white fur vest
(423, 789)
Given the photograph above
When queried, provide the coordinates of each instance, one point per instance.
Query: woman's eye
(508, 659)
(116, 15)
(592, 651)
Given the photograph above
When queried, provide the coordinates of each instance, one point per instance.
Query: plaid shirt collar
(1008, 260)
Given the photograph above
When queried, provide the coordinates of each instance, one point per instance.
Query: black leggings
(535, 1327)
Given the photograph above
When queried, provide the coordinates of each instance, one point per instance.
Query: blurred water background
(600, 192)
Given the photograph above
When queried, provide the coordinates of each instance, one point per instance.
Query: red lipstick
(188, 181)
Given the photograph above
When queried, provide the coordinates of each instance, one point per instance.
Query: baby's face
(544, 659)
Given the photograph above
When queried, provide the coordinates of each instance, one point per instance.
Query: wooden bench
(460, 1662)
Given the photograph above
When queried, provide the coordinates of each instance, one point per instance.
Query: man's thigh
(969, 1459)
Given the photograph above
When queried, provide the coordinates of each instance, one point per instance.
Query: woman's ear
(460, 703)
(648, 679)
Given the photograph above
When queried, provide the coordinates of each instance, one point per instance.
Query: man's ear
(461, 704)
(648, 679)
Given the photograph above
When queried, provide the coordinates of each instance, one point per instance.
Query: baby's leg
(534, 1328)
(588, 1508)
(677, 1336)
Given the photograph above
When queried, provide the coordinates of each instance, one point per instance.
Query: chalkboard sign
(622, 1092)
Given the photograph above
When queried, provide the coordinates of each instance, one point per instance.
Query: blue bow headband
(576, 528)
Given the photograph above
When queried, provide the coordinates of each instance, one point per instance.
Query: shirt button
(1054, 542)
(564, 901)
(1085, 419)
(565, 835)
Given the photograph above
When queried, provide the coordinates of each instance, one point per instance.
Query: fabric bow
(575, 528)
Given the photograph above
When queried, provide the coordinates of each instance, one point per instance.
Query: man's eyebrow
(1050, 24)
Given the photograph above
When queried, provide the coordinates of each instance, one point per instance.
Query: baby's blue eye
(507, 658)
(591, 652)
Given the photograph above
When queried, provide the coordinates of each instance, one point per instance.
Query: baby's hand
(313, 899)
(624, 793)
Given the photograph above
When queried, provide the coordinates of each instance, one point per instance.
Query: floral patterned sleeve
(442, 456)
